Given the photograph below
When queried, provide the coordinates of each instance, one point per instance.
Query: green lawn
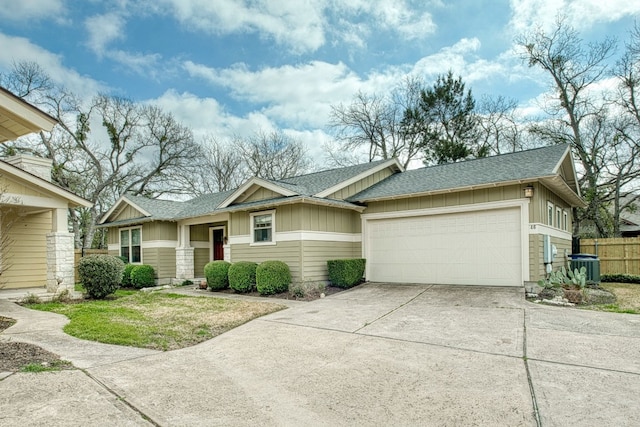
(160, 321)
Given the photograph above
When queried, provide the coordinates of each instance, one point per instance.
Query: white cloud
(103, 30)
(297, 94)
(293, 23)
(205, 116)
(16, 49)
(302, 26)
(580, 14)
(462, 59)
(24, 10)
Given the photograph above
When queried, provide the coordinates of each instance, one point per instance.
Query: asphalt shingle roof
(159, 209)
(522, 165)
(314, 183)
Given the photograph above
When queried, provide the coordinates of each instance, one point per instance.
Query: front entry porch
(199, 244)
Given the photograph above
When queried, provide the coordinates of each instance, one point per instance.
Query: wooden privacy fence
(619, 255)
(79, 253)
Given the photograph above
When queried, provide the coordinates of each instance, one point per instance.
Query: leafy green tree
(446, 121)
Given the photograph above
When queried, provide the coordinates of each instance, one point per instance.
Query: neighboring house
(630, 221)
(478, 222)
(37, 247)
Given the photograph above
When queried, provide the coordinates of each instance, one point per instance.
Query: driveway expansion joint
(121, 399)
(393, 310)
(525, 359)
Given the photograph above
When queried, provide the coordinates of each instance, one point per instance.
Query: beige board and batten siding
(158, 241)
(262, 194)
(287, 252)
(536, 255)
(316, 253)
(538, 211)
(19, 187)
(485, 195)
(358, 186)
(163, 261)
(26, 259)
(310, 234)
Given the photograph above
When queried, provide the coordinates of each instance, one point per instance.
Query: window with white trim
(565, 220)
(263, 227)
(131, 244)
(550, 214)
(558, 218)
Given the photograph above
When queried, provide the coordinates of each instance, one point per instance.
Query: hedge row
(346, 273)
(102, 275)
(620, 278)
(269, 277)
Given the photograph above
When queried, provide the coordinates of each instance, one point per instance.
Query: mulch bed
(329, 290)
(15, 355)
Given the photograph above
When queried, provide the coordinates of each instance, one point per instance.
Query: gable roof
(323, 183)
(43, 184)
(303, 188)
(520, 167)
(317, 184)
(553, 166)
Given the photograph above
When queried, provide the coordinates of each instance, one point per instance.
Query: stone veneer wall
(60, 259)
(184, 263)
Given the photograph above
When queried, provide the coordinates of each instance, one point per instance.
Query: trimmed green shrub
(123, 258)
(346, 273)
(217, 275)
(126, 276)
(100, 275)
(620, 278)
(242, 276)
(272, 277)
(143, 276)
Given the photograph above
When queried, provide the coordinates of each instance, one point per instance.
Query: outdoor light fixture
(528, 191)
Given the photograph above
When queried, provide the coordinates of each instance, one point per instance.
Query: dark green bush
(100, 275)
(620, 278)
(126, 276)
(272, 277)
(242, 276)
(143, 276)
(217, 275)
(346, 273)
(123, 258)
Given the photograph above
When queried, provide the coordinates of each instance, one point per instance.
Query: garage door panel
(482, 248)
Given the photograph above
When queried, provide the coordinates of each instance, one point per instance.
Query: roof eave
(449, 190)
(73, 199)
(292, 200)
(254, 181)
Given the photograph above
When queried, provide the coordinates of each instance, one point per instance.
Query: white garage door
(470, 248)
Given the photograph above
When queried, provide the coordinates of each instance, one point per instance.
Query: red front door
(218, 244)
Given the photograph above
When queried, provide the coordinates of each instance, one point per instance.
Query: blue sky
(227, 67)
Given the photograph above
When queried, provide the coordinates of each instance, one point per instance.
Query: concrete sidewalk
(375, 355)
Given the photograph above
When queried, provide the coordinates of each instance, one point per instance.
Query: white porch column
(227, 252)
(184, 254)
(60, 253)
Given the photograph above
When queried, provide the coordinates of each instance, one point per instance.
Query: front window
(550, 214)
(130, 247)
(262, 227)
(565, 221)
(558, 218)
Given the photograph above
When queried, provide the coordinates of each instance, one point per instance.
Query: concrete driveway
(376, 355)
